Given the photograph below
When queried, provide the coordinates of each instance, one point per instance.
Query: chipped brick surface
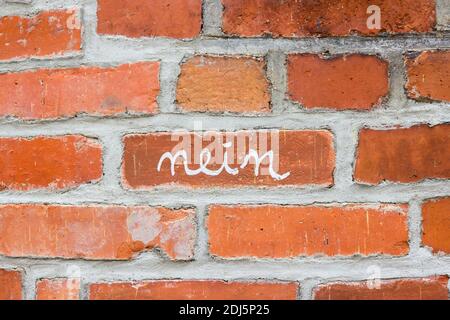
(95, 232)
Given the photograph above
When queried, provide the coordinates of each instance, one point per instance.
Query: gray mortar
(309, 271)
(443, 14)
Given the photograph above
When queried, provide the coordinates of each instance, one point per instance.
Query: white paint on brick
(114, 50)
(144, 224)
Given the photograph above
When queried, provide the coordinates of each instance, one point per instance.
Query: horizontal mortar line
(176, 197)
(98, 49)
(433, 114)
(261, 46)
(429, 39)
(148, 269)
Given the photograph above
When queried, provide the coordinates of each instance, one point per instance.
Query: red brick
(401, 289)
(436, 224)
(354, 81)
(307, 155)
(57, 93)
(293, 18)
(429, 76)
(10, 285)
(235, 84)
(47, 33)
(59, 162)
(180, 19)
(194, 290)
(58, 289)
(272, 231)
(403, 155)
(95, 232)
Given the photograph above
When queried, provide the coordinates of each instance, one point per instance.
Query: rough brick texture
(307, 155)
(293, 18)
(58, 93)
(429, 76)
(193, 290)
(58, 289)
(403, 155)
(47, 33)
(10, 285)
(287, 231)
(223, 84)
(224, 149)
(157, 18)
(344, 82)
(436, 225)
(60, 162)
(95, 232)
(401, 289)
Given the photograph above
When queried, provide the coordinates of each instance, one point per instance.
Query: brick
(307, 156)
(58, 289)
(293, 18)
(219, 84)
(429, 76)
(403, 155)
(10, 285)
(58, 93)
(181, 19)
(272, 231)
(358, 82)
(400, 289)
(59, 162)
(194, 290)
(47, 33)
(436, 225)
(95, 232)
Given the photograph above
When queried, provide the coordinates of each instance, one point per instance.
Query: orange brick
(58, 289)
(95, 232)
(194, 290)
(429, 76)
(403, 155)
(49, 162)
(354, 81)
(307, 155)
(47, 33)
(272, 231)
(57, 93)
(293, 18)
(235, 84)
(180, 19)
(436, 224)
(10, 285)
(400, 289)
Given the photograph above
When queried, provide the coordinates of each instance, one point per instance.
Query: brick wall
(92, 94)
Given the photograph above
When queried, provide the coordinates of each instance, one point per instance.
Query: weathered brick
(403, 155)
(429, 76)
(58, 289)
(235, 84)
(436, 224)
(95, 232)
(194, 290)
(343, 82)
(307, 155)
(10, 285)
(58, 93)
(400, 289)
(293, 18)
(47, 33)
(59, 162)
(157, 18)
(272, 231)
